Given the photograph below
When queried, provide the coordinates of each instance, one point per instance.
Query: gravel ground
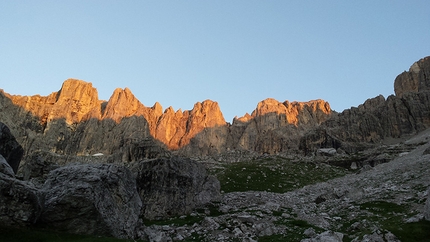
(363, 206)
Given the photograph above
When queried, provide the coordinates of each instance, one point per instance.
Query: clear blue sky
(234, 52)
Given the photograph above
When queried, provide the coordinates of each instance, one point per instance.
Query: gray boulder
(10, 149)
(174, 186)
(327, 236)
(20, 202)
(326, 151)
(92, 199)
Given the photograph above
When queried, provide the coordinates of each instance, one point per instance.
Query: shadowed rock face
(415, 80)
(378, 118)
(20, 202)
(101, 199)
(175, 186)
(10, 149)
(91, 199)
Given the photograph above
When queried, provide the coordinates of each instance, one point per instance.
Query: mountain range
(74, 121)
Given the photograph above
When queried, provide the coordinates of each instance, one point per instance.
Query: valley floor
(381, 203)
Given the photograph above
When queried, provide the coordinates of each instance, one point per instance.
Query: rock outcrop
(103, 199)
(405, 113)
(10, 149)
(297, 113)
(415, 80)
(20, 202)
(75, 102)
(91, 199)
(176, 129)
(175, 186)
(276, 127)
(272, 128)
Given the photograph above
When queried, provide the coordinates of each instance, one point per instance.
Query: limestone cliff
(273, 127)
(176, 129)
(405, 113)
(297, 113)
(77, 102)
(415, 80)
(74, 121)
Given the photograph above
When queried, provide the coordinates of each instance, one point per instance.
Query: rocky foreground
(174, 199)
(361, 206)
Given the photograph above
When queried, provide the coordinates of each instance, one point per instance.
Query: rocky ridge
(378, 119)
(273, 127)
(74, 113)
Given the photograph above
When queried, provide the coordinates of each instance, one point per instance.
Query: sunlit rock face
(75, 102)
(297, 113)
(85, 121)
(275, 127)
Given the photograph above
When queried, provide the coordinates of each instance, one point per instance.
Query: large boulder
(10, 149)
(20, 202)
(92, 199)
(175, 186)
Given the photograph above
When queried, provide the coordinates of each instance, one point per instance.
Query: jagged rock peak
(75, 101)
(77, 90)
(209, 111)
(176, 129)
(415, 80)
(242, 119)
(123, 104)
(158, 109)
(292, 110)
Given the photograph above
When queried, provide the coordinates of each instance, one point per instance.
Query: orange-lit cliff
(77, 101)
